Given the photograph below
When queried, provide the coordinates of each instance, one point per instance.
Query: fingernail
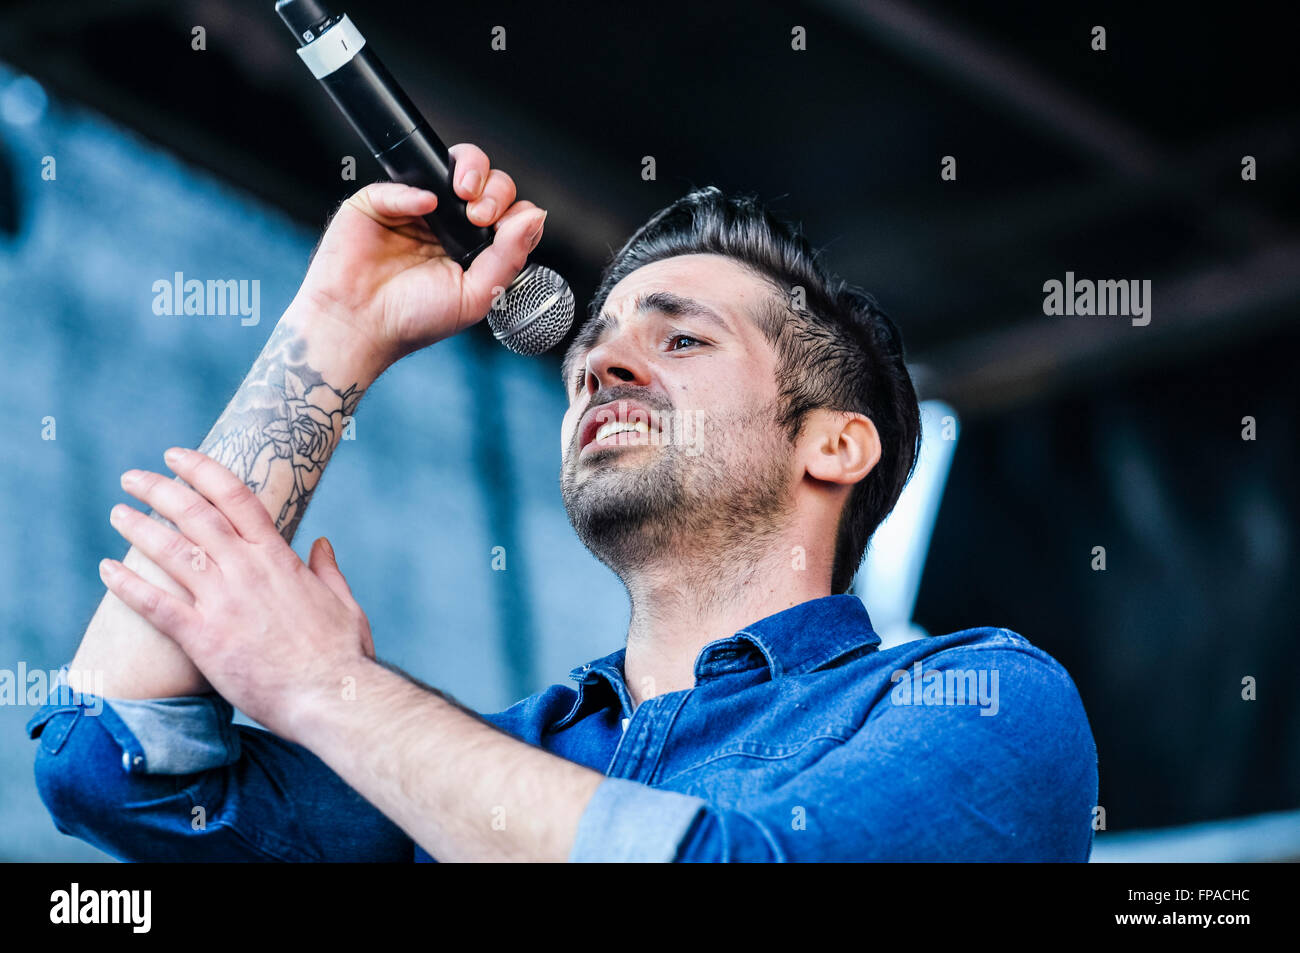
(536, 236)
(471, 182)
(106, 568)
(173, 455)
(130, 477)
(485, 209)
(115, 514)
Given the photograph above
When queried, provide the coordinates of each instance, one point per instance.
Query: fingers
(322, 561)
(171, 552)
(196, 518)
(498, 195)
(226, 491)
(518, 233)
(469, 170)
(488, 192)
(324, 564)
(392, 204)
(490, 197)
(166, 613)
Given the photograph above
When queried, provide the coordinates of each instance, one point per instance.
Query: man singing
(749, 716)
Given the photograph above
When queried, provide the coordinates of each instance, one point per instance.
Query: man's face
(671, 438)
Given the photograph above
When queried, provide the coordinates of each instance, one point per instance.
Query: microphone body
(537, 308)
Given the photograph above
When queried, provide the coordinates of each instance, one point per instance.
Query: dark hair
(835, 348)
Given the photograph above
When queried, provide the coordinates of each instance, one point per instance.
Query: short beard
(724, 502)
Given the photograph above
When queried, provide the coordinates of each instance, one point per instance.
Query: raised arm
(378, 288)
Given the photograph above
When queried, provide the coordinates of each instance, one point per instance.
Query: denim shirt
(801, 740)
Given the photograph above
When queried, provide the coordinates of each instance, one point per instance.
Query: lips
(608, 421)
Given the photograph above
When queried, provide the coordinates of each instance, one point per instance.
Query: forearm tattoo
(280, 428)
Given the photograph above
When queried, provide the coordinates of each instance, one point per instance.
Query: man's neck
(685, 602)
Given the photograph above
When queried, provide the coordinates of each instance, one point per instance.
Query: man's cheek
(566, 435)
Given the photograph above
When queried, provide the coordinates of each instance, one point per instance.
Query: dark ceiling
(1115, 164)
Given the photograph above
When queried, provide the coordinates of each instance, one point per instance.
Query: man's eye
(674, 338)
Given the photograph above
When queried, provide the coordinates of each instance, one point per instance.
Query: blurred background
(1075, 432)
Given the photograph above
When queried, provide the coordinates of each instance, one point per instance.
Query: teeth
(618, 426)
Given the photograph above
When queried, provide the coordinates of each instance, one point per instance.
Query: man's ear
(840, 446)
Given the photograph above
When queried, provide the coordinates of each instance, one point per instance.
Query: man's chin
(614, 492)
(608, 460)
(620, 534)
(632, 451)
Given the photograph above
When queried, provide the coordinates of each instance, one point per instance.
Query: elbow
(67, 785)
(81, 780)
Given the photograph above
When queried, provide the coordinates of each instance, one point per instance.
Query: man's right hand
(380, 272)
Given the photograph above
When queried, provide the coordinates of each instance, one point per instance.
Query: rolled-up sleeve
(630, 822)
(175, 780)
(180, 735)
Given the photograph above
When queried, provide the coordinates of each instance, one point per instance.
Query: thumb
(392, 203)
(322, 562)
(518, 233)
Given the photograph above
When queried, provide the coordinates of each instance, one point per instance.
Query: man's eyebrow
(663, 301)
(679, 306)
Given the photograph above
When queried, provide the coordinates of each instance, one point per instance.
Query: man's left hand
(273, 635)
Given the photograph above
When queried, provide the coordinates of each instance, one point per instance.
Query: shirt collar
(805, 637)
(800, 639)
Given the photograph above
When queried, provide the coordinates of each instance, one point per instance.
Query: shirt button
(626, 721)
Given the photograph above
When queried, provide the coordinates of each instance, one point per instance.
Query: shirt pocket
(744, 767)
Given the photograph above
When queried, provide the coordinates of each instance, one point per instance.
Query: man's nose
(616, 361)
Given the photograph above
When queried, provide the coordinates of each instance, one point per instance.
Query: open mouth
(619, 425)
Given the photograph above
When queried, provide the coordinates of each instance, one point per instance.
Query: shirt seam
(784, 754)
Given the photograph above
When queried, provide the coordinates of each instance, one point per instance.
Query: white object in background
(890, 576)
(1263, 838)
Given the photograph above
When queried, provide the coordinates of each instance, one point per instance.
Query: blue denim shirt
(800, 741)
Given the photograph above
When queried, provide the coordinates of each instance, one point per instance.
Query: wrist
(336, 343)
(327, 711)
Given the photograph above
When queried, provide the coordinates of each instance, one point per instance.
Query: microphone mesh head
(535, 312)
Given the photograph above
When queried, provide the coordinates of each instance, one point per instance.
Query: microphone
(536, 310)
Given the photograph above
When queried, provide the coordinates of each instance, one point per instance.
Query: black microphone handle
(422, 160)
(400, 139)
